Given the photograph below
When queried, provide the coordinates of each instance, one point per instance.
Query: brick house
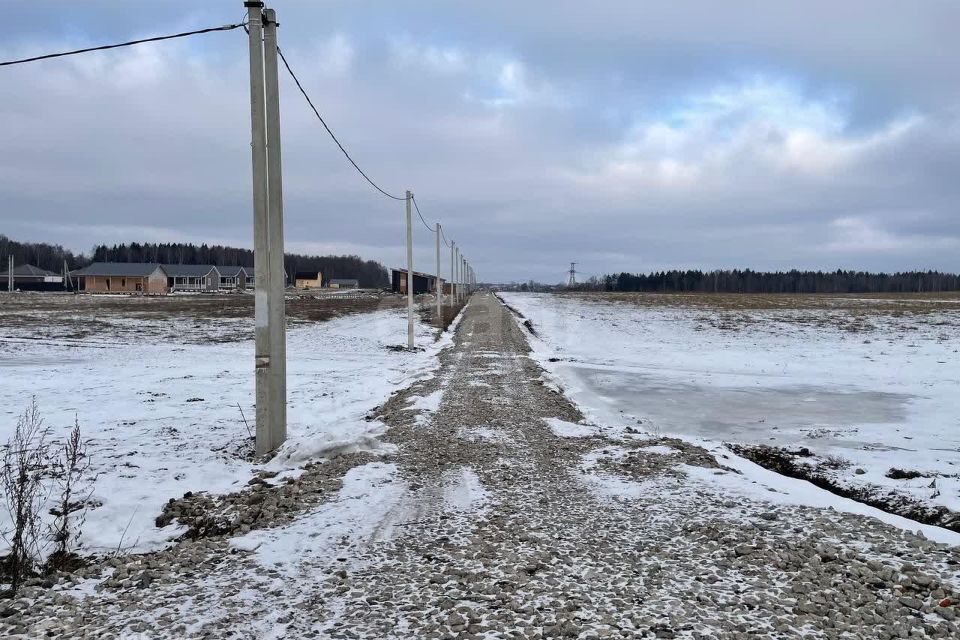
(123, 277)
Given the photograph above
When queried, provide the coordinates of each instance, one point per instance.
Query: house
(252, 277)
(308, 279)
(27, 277)
(192, 277)
(233, 278)
(123, 277)
(343, 283)
(29, 273)
(422, 282)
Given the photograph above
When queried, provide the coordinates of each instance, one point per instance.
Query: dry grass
(189, 318)
(868, 302)
(849, 312)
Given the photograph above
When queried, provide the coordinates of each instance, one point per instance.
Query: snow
(164, 415)
(881, 395)
(564, 429)
(463, 491)
(659, 449)
(760, 484)
(430, 402)
(355, 517)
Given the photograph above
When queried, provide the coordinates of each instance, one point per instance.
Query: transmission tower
(573, 275)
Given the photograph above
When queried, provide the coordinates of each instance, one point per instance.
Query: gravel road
(497, 527)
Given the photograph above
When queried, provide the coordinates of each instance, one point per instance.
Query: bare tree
(75, 485)
(24, 463)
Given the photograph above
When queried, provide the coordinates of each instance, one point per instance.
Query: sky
(624, 136)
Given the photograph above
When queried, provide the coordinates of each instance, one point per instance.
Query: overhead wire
(417, 207)
(286, 64)
(330, 132)
(184, 34)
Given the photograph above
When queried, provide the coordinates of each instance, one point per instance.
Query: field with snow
(869, 385)
(163, 389)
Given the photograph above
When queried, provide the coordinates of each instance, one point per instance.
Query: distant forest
(40, 254)
(747, 281)
(370, 273)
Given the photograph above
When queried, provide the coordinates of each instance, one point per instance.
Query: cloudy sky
(623, 135)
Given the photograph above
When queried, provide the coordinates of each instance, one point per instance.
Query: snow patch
(352, 519)
(564, 429)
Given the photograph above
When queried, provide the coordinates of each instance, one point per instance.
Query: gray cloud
(622, 135)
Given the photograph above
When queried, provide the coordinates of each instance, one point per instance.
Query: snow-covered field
(169, 415)
(872, 384)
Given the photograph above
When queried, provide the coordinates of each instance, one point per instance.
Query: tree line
(793, 281)
(40, 254)
(51, 257)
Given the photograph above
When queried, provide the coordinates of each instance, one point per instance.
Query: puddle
(745, 413)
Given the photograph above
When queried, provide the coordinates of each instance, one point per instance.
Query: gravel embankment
(506, 530)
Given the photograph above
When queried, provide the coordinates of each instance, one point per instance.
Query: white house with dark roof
(192, 277)
(233, 278)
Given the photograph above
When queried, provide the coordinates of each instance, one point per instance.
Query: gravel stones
(548, 547)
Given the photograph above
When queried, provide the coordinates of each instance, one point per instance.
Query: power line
(443, 236)
(226, 27)
(230, 27)
(325, 126)
(417, 207)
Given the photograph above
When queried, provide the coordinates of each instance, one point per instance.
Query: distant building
(422, 282)
(192, 277)
(233, 278)
(27, 277)
(343, 283)
(252, 278)
(308, 279)
(30, 273)
(123, 277)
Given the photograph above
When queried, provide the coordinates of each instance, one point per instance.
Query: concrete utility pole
(456, 277)
(269, 415)
(409, 271)
(10, 273)
(439, 282)
(453, 278)
(278, 280)
(463, 277)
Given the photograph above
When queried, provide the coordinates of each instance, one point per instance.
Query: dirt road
(491, 525)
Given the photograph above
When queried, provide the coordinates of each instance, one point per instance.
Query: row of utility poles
(462, 276)
(268, 245)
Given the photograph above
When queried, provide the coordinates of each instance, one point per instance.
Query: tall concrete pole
(278, 280)
(456, 277)
(463, 278)
(10, 273)
(261, 245)
(409, 272)
(453, 279)
(439, 282)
